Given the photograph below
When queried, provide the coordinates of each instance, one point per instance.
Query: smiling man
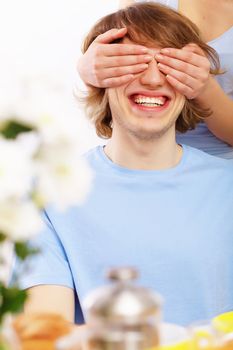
(144, 114)
(162, 207)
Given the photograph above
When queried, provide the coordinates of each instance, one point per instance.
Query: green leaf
(13, 300)
(2, 237)
(13, 128)
(23, 250)
(3, 346)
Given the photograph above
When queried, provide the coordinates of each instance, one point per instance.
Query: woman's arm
(51, 298)
(220, 122)
(125, 3)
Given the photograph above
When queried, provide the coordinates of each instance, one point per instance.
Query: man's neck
(157, 154)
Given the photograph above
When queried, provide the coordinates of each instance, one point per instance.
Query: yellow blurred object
(223, 323)
(223, 326)
(184, 345)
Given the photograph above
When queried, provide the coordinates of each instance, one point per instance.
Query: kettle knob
(122, 274)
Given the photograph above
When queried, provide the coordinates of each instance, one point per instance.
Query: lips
(149, 100)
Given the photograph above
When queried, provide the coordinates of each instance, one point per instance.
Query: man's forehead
(152, 47)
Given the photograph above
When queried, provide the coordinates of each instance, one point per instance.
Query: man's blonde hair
(147, 24)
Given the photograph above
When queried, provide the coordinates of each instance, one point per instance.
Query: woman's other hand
(110, 65)
(186, 69)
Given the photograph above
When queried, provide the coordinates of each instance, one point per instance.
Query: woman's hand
(186, 69)
(110, 65)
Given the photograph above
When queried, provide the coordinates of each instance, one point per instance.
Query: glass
(173, 337)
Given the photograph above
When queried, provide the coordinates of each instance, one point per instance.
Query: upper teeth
(150, 100)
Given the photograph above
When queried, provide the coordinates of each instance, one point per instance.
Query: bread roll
(39, 331)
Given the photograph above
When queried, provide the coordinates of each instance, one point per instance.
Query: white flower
(19, 220)
(45, 106)
(37, 168)
(16, 169)
(30, 143)
(9, 335)
(63, 177)
(6, 254)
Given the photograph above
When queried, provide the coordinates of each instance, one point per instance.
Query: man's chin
(149, 135)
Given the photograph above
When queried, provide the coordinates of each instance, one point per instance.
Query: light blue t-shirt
(201, 137)
(175, 226)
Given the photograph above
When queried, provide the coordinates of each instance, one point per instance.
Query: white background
(44, 37)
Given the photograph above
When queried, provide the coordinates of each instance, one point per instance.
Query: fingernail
(143, 66)
(144, 50)
(159, 57)
(160, 65)
(165, 51)
(148, 58)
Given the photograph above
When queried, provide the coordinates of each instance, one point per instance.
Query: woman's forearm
(125, 3)
(220, 122)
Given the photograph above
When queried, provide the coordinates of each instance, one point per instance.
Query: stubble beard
(142, 134)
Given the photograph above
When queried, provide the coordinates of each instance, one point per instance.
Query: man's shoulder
(92, 154)
(96, 159)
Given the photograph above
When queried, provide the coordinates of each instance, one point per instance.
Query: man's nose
(152, 75)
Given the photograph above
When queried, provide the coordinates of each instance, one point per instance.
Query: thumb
(111, 35)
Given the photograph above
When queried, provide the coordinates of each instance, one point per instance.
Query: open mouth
(149, 102)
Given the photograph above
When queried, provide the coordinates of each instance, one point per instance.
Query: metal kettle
(122, 315)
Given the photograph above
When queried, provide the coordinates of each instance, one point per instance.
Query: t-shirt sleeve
(50, 266)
